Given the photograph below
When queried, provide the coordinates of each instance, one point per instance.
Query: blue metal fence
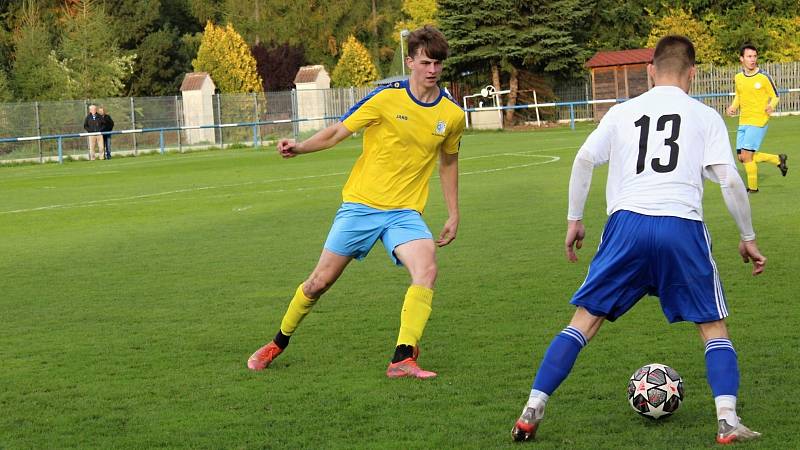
(571, 105)
(256, 136)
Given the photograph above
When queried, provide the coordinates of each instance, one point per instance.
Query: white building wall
(311, 99)
(198, 109)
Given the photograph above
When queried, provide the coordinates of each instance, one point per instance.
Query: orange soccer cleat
(262, 358)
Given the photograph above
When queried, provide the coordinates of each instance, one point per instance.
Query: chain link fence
(137, 113)
(298, 113)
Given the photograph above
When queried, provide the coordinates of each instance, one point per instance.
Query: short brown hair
(430, 40)
(674, 54)
(747, 46)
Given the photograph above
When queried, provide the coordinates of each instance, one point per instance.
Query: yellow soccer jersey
(402, 140)
(753, 94)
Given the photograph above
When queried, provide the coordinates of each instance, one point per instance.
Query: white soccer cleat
(528, 422)
(728, 434)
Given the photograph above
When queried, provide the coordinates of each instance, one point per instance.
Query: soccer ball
(655, 391)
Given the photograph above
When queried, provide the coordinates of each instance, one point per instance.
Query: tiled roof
(193, 81)
(621, 58)
(308, 74)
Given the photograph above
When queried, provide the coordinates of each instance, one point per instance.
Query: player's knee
(426, 275)
(317, 284)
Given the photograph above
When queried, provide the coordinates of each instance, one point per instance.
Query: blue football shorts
(668, 257)
(357, 227)
(749, 137)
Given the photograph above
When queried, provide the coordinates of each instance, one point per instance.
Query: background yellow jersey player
(756, 97)
(407, 126)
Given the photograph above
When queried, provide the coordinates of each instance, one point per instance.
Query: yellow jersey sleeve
(365, 113)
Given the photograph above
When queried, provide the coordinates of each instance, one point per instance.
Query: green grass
(133, 291)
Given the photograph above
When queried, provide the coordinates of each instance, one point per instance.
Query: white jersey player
(659, 146)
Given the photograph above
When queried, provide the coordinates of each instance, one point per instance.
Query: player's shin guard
(723, 376)
(298, 309)
(766, 157)
(416, 310)
(558, 360)
(751, 168)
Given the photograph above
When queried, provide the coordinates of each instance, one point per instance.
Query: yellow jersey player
(756, 97)
(407, 125)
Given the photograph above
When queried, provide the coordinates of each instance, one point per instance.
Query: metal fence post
(38, 129)
(572, 115)
(295, 114)
(178, 124)
(255, 119)
(60, 152)
(133, 125)
(219, 118)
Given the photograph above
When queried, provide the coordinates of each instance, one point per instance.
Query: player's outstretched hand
(286, 148)
(731, 111)
(575, 234)
(448, 232)
(749, 251)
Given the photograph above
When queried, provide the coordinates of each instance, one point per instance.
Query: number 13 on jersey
(656, 163)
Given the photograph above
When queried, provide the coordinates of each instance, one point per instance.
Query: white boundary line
(147, 198)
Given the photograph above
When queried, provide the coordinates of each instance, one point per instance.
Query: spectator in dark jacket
(93, 124)
(107, 125)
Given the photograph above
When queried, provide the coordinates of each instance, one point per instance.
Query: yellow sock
(298, 309)
(752, 175)
(766, 157)
(416, 310)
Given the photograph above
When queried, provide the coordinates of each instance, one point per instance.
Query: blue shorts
(665, 256)
(357, 227)
(749, 137)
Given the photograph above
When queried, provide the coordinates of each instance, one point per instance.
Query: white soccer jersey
(658, 146)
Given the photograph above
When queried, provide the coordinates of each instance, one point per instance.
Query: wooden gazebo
(618, 74)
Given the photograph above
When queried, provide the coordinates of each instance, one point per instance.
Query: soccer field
(133, 291)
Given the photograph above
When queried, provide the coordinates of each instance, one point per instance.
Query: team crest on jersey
(440, 128)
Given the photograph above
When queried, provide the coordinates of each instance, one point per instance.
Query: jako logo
(401, 117)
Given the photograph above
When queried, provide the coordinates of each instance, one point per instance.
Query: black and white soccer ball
(655, 391)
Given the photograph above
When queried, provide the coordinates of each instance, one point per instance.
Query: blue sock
(722, 369)
(558, 360)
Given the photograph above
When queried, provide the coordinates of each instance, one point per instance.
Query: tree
(89, 55)
(509, 35)
(785, 32)
(160, 65)
(246, 15)
(319, 26)
(355, 67)
(6, 95)
(278, 64)
(205, 10)
(615, 25)
(227, 58)
(682, 22)
(36, 74)
(417, 14)
(773, 31)
(155, 31)
(135, 20)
